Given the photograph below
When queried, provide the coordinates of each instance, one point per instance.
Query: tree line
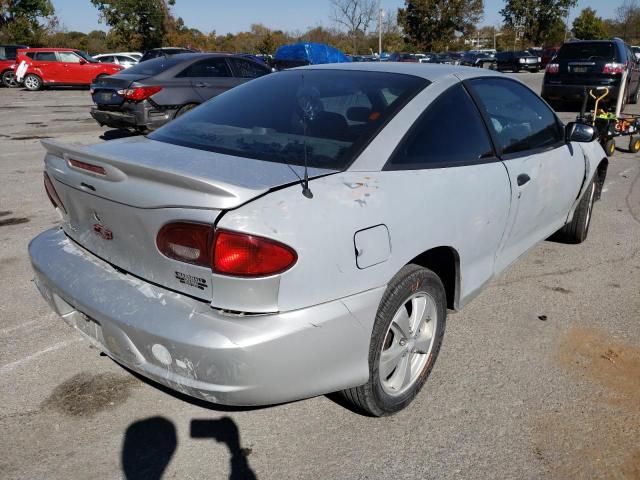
(420, 25)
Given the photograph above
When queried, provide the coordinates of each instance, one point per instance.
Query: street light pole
(380, 30)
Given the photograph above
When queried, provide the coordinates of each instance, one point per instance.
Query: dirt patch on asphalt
(13, 221)
(30, 137)
(598, 435)
(85, 394)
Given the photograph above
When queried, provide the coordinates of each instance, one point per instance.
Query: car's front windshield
(326, 115)
(86, 56)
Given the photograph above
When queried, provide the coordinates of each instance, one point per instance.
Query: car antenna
(306, 191)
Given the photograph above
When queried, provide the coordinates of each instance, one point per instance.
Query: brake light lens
(139, 93)
(552, 68)
(186, 242)
(87, 166)
(52, 194)
(245, 255)
(613, 68)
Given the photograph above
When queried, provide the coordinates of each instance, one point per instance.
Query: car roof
(43, 49)
(430, 71)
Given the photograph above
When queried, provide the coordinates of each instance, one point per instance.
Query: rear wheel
(577, 229)
(32, 82)
(634, 144)
(9, 79)
(184, 109)
(405, 342)
(633, 99)
(102, 75)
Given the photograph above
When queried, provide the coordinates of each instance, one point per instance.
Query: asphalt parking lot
(539, 377)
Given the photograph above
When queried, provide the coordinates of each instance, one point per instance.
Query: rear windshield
(153, 67)
(588, 51)
(330, 114)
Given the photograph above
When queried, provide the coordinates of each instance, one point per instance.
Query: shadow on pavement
(117, 133)
(225, 430)
(149, 446)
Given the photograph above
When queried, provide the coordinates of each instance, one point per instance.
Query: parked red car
(7, 60)
(60, 66)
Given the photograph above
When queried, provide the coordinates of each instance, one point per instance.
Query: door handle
(522, 179)
(201, 84)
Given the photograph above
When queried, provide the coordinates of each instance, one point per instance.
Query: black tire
(577, 229)
(184, 109)
(32, 82)
(102, 75)
(9, 79)
(634, 144)
(609, 147)
(535, 70)
(633, 99)
(371, 398)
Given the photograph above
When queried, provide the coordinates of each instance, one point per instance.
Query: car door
(46, 65)
(448, 176)
(211, 77)
(545, 172)
(74, 68)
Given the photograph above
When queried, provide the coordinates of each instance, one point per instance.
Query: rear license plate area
(90, 327)
(579, 69)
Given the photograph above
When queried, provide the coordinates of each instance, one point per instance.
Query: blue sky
(225, 16)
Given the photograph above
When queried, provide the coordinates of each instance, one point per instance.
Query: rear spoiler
(139, 183)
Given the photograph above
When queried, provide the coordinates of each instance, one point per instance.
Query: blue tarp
(312, 53)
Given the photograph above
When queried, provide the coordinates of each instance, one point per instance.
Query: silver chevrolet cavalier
(307, 232)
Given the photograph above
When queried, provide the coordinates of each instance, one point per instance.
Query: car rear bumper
(575, 92)
(140, 117)
(186, 345)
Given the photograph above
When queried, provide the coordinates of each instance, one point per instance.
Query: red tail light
(52, 194)
(87, 166)
(552, 68)
(250, 256)
(227, 253)
(614, 68)
(139, 93)
(186, 242)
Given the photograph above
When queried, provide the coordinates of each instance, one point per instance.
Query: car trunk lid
(118, 195)
(105, 90)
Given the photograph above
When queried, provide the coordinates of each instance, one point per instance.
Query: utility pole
(566, 30)
(379, 30)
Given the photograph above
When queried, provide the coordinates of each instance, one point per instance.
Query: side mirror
(579, 132)
(82, 62)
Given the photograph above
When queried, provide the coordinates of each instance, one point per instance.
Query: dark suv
(151, 93)
(591, 64)
(516, 61)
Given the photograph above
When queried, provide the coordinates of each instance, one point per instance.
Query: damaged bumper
(186, 345)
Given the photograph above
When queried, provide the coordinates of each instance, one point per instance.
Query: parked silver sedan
(306, 232)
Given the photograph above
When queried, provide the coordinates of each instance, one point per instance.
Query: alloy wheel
(408, 343)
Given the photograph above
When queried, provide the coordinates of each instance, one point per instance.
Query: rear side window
(247, 69)
(45, 57)
(519, 119)
(153, 67)
(588, 51)
(449, 133)
(211, 67)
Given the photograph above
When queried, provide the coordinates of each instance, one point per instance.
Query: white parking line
(9, 367)
(4, 331)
